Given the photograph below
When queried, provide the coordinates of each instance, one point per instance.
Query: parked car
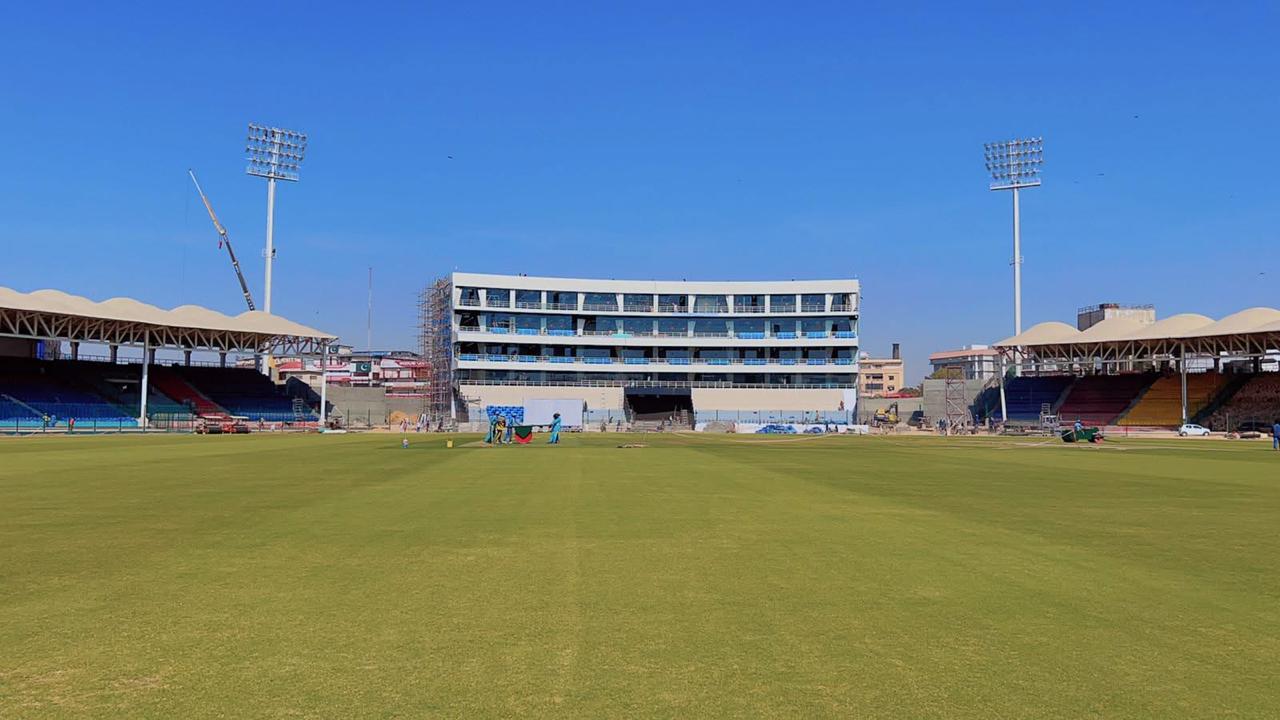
(1192, 430)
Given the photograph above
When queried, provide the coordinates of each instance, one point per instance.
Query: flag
(523, 434)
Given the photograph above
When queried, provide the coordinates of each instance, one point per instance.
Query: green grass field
(699, 577)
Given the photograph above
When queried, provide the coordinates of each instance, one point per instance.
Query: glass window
(813, 325)
(638, 303)
(710, 303)
(563, 300)
(673, 303)
(600, 324)
(469, 321)
(500, 320)
(813, 303)
(529, 298)
(782, 326)
(469, 296)
(559, 322)
(600, 301)
(673, 327)
(842, 302)
(749, 325)
(528, 322)
(782, 303)
(748, 303)
(710, 327)
(637, 326)
(498, 298)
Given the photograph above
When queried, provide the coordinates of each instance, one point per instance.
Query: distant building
(879, 377)
(400, 372)
(975, 362)
(1087, 317)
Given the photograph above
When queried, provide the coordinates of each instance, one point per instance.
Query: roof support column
(115, 353)
(324, 386)
(146, 377)
(1004, 408)
(1183, 363)
(75, 350)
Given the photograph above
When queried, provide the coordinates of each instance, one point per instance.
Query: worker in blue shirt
(1275, 436)
(555, 430)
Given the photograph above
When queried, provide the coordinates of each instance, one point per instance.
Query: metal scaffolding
(435, 324)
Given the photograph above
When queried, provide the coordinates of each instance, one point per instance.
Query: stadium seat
(1100, 399)
(245, 392)
(1161, 404)
(1255, 405)
(1024, 396)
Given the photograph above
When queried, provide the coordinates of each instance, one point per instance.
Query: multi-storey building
(972, 362)
(880, 377)
(655, 346)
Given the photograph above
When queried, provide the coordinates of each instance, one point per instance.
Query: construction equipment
(886, 416)
(224, 240)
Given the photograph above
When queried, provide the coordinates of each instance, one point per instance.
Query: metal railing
(656, 308)
(657, 384)
(483, 357)
(742, 335)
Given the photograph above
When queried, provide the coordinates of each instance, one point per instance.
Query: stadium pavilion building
(641, 350)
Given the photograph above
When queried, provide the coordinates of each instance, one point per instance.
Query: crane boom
(226, 240)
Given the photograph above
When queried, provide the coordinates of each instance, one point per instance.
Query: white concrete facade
(761, 340)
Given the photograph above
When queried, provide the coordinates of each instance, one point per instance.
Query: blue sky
(726, 140)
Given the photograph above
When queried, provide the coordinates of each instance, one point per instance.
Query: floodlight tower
(274, 154)
(1014, 165)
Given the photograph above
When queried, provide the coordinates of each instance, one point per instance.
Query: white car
(1192, 430)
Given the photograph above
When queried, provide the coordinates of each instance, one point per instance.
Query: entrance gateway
(659, 405)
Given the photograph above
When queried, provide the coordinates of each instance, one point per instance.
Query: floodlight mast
(275, 154)
(1014, 165)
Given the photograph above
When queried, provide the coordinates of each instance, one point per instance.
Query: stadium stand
(31, 390)
(184, 394)
(1254, 406)
(513, 413)
(1024, 396)
(1161, 404)
(1100, 399)
(244, 392)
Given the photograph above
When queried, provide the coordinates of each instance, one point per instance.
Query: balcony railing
(656, 308)
(623, 334)
(477, 357)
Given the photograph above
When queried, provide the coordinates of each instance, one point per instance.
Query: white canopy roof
(1258, 320)
(130, 310)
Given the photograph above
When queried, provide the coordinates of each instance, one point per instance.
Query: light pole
(274, 154)
(1015, 164)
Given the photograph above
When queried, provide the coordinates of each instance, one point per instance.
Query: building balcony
(691, 363)
(655, 310)
(642, 337)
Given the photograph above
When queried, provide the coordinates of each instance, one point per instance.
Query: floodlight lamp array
(1014, 163)
(274, 152)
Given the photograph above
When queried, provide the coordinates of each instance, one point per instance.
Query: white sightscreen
(540, 412)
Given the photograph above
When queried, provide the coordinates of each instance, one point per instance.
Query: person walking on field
(555, 430)
(1275, 436)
